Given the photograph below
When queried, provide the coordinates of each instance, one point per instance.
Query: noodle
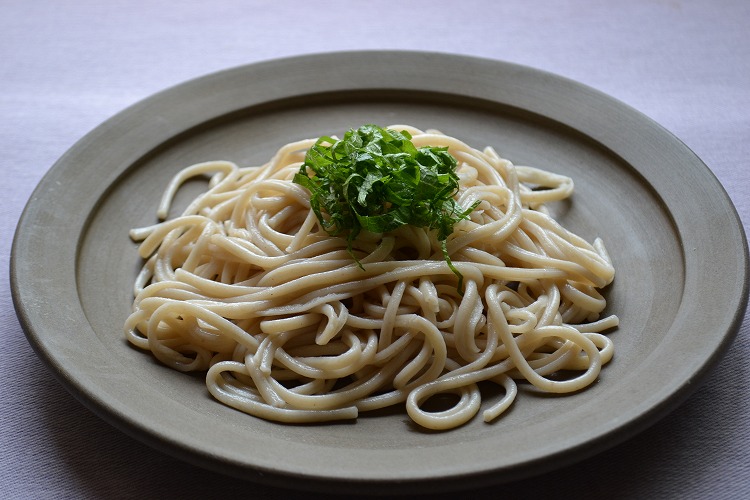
(248, 287)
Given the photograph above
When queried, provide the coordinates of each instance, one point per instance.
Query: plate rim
(262, 70)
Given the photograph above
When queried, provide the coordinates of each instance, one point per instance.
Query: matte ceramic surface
(672, 232)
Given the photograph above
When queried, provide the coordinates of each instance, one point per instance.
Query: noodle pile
(248, 287)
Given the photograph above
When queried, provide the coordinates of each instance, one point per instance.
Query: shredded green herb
(376, 179)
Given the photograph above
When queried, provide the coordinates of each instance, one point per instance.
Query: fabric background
(67, 66)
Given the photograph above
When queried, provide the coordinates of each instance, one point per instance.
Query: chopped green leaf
(376, 179)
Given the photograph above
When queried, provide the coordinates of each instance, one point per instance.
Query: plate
(673, 234)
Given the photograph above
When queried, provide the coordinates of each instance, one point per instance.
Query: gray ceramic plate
(675, 238)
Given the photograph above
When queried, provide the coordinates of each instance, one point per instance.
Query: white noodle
(246, 286)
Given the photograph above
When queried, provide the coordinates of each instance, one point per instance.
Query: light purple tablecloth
(67, 66)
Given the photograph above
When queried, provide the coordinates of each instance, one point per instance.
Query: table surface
(65, 68)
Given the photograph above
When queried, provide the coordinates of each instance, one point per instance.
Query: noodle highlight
(247, 286)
